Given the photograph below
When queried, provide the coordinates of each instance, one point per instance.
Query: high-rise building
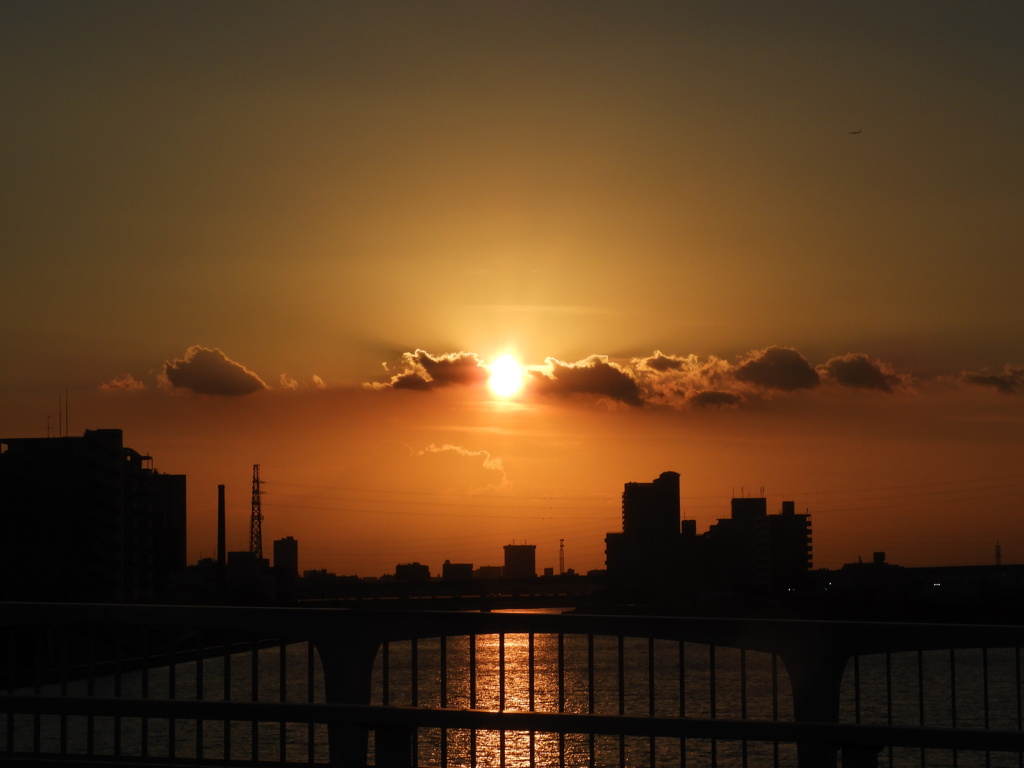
(286, 557)
(87, 519)
(520, 561)
(651, 510)
(650, 555)
(752, 549)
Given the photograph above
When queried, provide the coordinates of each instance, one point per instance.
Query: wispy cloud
(496, 480)
(125, 383)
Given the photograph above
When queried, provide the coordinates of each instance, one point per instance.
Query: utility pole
(256, 519)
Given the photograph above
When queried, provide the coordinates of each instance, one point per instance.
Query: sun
(506, 376)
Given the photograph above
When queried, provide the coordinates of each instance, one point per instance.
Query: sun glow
(506, 376)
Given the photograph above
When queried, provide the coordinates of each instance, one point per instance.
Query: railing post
(348, 674)
(816, 675)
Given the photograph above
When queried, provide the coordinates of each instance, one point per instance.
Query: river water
(933, 688)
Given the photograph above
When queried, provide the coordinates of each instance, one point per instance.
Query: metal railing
(232, 686)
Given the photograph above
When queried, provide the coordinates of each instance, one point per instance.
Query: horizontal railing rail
(349, 645)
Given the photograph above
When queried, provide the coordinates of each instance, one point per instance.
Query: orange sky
(228, 230)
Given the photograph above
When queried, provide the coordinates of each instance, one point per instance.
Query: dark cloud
(454, 368)
(778, 368)
(210, 372)
(660, 362)
(861, 372)
(423, 371)
(1008, 382)
(715, 399)
(593, 376)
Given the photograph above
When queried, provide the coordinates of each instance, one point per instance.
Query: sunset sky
(775, 247)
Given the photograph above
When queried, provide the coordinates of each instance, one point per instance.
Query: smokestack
(221, 545)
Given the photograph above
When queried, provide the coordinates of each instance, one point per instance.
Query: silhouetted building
(488, 572)
(652, 554)
(520, 561)
(412, 572)
(456, 571)
(87, 519)
(286, 556)
(286, 569)
(657, 556)
(755, 550)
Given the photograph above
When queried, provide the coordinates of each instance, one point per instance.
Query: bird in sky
(859, 130)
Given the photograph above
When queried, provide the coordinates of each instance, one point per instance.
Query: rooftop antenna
(256, 519)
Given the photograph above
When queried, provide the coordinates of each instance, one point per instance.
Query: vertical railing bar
(984, 685)
(144, 683)
(118, 663)
(531, 670)
(200, 652)
(591, 698)
(650, 697)
(283, 694)
(501, 692)
(414, 666)
(385, 673)
(472, 671)
(743, 701)
(713, 697)
(12, 665)
(856, 689)
(254, 695)
(90, 690)
(1017, 687)
(227, 697)
(533, 695)
(561, 672)
(310, 697)
(621, 669)
(37, 685)
(888, 697)
(713, 680)
(472, 697)
(775, 706)
(443, 657)
(682, 699)
(414, 651)
(561, 696)
(64, 682)
(984, 696)
(1020, 713)
(172, 693)
(920, 700)
(952, 698)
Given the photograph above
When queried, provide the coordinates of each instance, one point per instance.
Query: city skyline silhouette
(775, 250)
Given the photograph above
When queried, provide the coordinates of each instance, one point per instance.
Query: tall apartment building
(87, 519)
(657, 555)
(752, 549)
(651, 553)
(520, 561)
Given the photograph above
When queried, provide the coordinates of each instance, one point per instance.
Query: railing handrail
(368, 625)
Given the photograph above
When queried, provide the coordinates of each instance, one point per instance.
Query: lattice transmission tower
(256, 519)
